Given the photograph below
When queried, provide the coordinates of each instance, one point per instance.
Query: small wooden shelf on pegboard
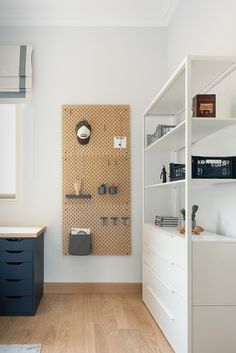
(81, 196)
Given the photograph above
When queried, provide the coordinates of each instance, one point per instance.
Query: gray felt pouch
(80, 243)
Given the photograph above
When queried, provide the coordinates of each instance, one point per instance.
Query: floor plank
(88, 323)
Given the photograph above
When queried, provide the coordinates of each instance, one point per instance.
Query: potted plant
(183, 213)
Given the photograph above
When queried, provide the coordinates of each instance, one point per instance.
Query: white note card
(120, 141)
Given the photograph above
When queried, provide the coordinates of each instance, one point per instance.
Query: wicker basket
(161, 130)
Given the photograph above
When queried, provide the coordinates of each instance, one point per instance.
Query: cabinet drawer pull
(14, 296)
(14, 263)
(14, 251)
(13, 280)
(14, 239)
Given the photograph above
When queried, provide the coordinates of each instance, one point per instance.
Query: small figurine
(163, 174)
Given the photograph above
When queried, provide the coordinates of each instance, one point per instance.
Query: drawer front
(162, 317)
(16, 270)
(15, 256)
(167, 269)
(173, 329)
(16, 244)
(173, 303)
(158, 240)
(16, 305)
(16, 287)
(166, 244)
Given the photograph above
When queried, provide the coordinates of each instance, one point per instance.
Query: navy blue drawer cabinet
(21, 274)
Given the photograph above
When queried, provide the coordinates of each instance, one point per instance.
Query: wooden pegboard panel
(100, 162)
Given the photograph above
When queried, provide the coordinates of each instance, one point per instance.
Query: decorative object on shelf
(113, 189)
(193, 216)
(163, 174)
(214, 167)
(197, 230)
(164, 221)
(177, 171)
(161, 130)
(80, 243)
(204, 106)
(83, 132)
(125, 220)
(78, 186)
(102, 189)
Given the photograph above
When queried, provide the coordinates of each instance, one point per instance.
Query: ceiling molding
(162, 20)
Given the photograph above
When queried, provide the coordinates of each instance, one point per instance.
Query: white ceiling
(87, 12)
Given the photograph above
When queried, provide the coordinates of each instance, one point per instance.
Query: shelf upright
(188, 201)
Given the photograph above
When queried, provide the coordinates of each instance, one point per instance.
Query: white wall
(82, 66)
(208, 27)
(202, 27)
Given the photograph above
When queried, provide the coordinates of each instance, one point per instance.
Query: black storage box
(214, 167)
(206, 167)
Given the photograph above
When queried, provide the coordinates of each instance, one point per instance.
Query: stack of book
(163, 221)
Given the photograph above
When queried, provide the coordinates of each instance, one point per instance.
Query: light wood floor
(88, 323)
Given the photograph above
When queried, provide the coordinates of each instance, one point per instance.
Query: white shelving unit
(185, 287)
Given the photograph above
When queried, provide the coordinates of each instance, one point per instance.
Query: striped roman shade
(15, 73)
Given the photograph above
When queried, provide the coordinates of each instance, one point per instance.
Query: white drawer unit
(213, 287)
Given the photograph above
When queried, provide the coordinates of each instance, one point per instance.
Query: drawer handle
(13, 280)
(14, 296)
(14, 263)
(14, 239)
(14, 251)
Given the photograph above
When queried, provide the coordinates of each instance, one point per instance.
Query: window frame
(19, 159)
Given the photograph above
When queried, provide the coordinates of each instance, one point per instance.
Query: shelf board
(174, 140)
(173, 184)
(206, 70)
(199, 182)
(205, 236)
(81, 196)
(195, 182)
